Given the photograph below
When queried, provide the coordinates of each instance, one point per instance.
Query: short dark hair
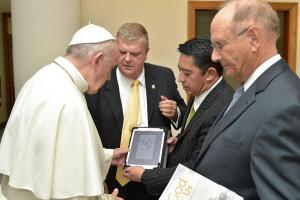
(200, 49)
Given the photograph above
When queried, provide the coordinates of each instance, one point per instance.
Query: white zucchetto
(91, 34)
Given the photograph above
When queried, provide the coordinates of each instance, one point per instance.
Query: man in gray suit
(209, 93)
(254, 147)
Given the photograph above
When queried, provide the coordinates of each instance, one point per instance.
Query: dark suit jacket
(106, 110)
(190, 139)
(254, 149)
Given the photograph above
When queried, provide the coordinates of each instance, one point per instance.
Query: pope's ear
(97, 58)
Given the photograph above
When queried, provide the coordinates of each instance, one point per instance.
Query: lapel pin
(153, 87)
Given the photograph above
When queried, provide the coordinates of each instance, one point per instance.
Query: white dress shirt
(261, 69)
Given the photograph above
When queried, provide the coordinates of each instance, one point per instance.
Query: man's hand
(168, 108)
(119, 156)
(134, 173)
(112, 196)
(171, 143)
(115, 194)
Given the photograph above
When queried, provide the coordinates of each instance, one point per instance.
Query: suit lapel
(236, 110)
(242, 104)
(151, 90)
(112, 94)
(200, 114)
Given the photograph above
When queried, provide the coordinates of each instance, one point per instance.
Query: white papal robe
(50, 147)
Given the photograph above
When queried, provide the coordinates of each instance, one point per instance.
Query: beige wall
(4, 7)
(165, 20)
(41, 32)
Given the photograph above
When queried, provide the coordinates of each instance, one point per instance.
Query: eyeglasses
(219, 45)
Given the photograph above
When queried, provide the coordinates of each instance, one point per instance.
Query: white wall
(4, 7)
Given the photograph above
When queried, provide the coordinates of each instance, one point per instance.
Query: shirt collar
(127, 81)
(73, 72)
(260, 70)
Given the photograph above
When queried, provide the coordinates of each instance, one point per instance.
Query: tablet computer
(148, 148)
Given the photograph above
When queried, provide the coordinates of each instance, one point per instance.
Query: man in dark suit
(253, 148)
(160, 102)
(209, 93)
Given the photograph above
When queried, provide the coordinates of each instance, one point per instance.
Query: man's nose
(180, 77)
(215, 56)
(127, 57)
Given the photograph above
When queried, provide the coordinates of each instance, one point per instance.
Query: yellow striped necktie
(131, 119)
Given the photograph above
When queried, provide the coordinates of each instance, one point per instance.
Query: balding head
(254, 12)
(244, 35)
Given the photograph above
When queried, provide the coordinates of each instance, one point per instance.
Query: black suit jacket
(254, 149)
(106, 110)
(190, 139)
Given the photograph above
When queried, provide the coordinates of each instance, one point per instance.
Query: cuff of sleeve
(155, 180)
(175, 123)
(108, 156)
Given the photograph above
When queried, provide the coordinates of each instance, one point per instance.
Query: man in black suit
(160, 102)
(253, 148)
(209, 93)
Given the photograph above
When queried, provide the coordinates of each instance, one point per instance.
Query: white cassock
(50, 147)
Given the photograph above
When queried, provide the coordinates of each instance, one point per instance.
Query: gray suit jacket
(190, 139)
(254, 149)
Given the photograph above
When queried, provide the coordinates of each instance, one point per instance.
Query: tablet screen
(146, 147)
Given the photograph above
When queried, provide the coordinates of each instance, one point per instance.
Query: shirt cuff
(175, 123)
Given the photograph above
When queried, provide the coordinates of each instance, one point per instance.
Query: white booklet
(187, 184)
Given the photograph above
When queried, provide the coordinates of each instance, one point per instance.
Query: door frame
(8, 64)
(290, 29)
